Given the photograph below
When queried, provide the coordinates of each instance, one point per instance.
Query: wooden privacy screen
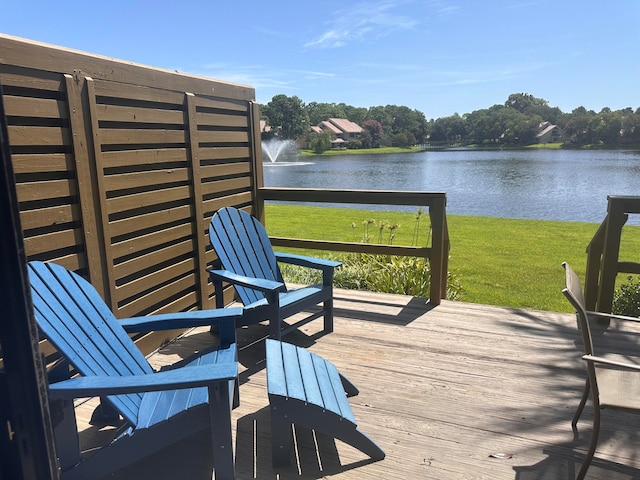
(119, 168)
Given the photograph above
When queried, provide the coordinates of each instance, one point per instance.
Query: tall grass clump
(380, 272)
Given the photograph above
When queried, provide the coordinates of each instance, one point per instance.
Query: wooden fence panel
(119, 168)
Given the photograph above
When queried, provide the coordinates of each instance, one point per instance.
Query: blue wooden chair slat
(292, 373)
(326, 386)
(251, 266)
(312, 388)
(305, 389)
(195, 394)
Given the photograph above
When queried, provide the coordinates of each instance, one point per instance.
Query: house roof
(345, 125)
(316, 129)
(328, 125)
(547, 129)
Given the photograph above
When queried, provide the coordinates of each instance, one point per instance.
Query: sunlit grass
(506, 262)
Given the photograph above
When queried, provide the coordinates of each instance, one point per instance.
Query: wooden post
(616, 218)
(439, 250)
(26, 435)
(199, 237)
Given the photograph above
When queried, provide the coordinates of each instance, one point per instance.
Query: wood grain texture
(441, 389)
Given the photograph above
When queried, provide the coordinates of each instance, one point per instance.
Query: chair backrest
(75, 319)
(243, 247)
(573, 292)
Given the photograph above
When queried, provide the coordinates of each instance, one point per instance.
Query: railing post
(595, 250)
(438, 260)
(616, 218)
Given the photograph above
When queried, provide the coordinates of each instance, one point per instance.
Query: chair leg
(220, 416)
(592, 445)
(583, 401)
(281, 440)
(328, 315)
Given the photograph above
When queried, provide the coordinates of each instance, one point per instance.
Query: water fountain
(275, 147)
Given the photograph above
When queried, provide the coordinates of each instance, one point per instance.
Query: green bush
(626, 298)
(378, 273)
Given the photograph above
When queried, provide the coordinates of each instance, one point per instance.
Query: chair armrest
(170, 321)
(193, 376)
(304, 261)
(255, 283)
(612, 316)
(611, 363)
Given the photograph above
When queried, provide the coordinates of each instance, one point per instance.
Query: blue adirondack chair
(158, 408)
(249, 263)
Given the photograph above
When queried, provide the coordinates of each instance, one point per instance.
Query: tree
(319, 112)
(375, 133)
(288, 115)
(320, 142)
(523, 102)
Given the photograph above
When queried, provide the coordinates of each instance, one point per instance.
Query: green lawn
(507, 262)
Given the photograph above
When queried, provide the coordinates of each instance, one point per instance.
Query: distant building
(342, 130)
(550, 133)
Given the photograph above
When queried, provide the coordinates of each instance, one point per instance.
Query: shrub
(402, 275)
(626, 298)
(378, 273)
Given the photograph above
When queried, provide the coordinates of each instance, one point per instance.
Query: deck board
(441, 389)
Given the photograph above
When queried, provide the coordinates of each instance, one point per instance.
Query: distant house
(342, 130)
(264, 128)
(550, 133)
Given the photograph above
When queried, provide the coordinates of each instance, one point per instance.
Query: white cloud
(356, 22)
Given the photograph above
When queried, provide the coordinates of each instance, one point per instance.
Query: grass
(505, 262)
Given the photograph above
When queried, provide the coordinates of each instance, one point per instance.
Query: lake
(566, 185)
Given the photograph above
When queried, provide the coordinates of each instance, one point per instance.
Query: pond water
(566, 185)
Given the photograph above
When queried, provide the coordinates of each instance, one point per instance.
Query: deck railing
(603, 254)
(437, 253)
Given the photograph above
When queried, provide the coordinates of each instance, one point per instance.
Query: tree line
(514, 123)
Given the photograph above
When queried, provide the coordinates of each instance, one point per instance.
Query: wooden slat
(35, 107)
(225, 169)
(137, 92)
(220, 120)
(41, 136)
(220, 103)
(140, 200)
(49, 242)
(156, 257)
(155, 298)
(42, 163)
(46, 190)
(217, 153)
(206, 136)
(226, 185)
(149, 220)
(145, 179)
(37, 79)
(178, 270)
(144, 242)
(118, 113)
(44, 217)
(121, 136)
(143, 157)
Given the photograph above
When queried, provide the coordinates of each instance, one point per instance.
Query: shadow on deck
(443, 391)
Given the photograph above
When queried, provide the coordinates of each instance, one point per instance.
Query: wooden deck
(441, 390)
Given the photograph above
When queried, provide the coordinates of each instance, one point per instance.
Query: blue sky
(437, 56)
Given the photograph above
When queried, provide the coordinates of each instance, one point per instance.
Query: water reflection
(538, 184)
